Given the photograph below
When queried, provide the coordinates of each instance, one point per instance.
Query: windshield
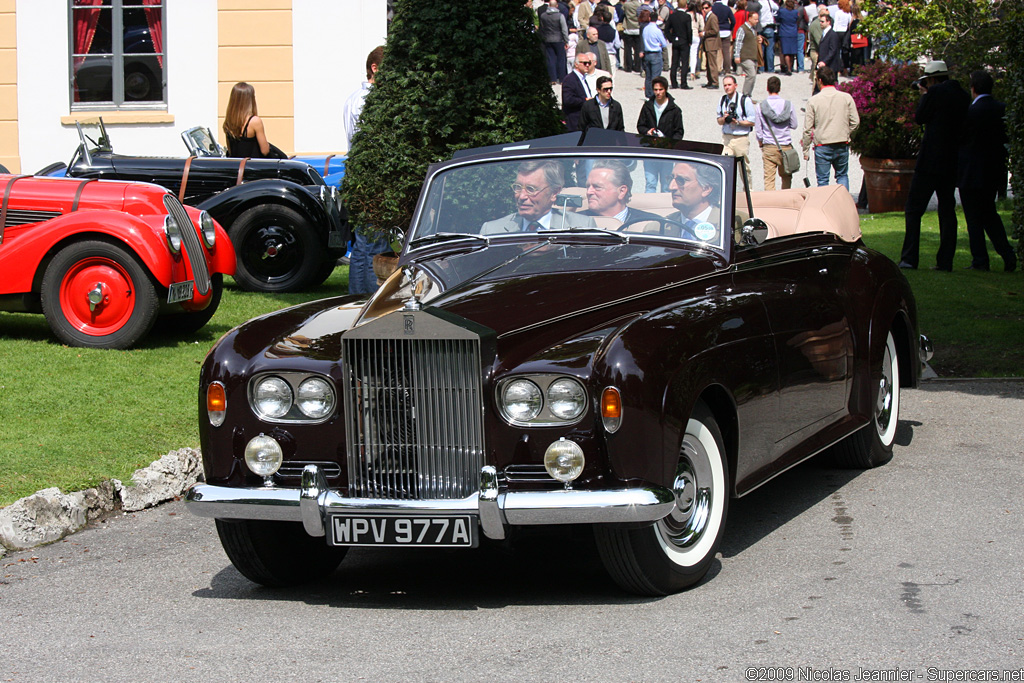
(94, 136)
(676, 199)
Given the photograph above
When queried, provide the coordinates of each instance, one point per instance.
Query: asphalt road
(913, 565)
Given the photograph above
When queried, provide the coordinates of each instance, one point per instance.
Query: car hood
(516, 287)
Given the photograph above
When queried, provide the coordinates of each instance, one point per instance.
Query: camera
(730, 116)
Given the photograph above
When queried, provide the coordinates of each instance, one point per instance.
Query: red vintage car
(103, 259)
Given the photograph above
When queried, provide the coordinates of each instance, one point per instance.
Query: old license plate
(181, 291)
(414, 530)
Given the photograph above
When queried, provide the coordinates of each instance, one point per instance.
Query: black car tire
(326, 270)
(871, 446)
(190, 322)
(277, 250)
(277, 554)
(129, 307)
(677, 551)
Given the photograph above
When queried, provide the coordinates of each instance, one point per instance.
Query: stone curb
(49, 515)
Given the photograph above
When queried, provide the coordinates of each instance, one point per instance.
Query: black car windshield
(676, 199)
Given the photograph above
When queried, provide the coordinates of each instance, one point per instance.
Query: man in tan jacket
(830, 120)
(712, 45)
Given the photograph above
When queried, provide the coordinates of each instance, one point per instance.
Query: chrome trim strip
(190, 240)
(491, 508)
(314, 487)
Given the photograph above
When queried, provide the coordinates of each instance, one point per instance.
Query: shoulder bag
(790, 157)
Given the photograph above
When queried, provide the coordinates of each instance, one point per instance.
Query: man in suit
(942, 110)
(576, 90)
(829, 48)
(696, 192)
(679, 31)
(982, 173)
(712, 46)
(609, 188)
(536, 190)
(602, 111)
(596, 47)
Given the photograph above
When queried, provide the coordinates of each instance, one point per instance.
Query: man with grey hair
(535, 191)
(696, 192)
(609, 188)
(596, 47)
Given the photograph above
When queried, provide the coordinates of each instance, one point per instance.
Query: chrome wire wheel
(887, 400)
(691, 530)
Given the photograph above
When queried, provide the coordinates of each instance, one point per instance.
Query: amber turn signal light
(216, 403)
(611, 409)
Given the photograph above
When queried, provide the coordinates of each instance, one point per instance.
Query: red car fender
(22, 260)
(222, 257)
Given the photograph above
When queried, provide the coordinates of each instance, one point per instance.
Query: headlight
(263, 455)
(563, 460)
(521, 400)
(272, 397)
(209, 229)
(173, 233)
(567, 399)
(315, 398)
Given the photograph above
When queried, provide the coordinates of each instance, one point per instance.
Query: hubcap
(272, 253)
(97, 296)
(883, 406)
(693, 493)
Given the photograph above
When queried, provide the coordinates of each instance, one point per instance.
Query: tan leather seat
(810, 209)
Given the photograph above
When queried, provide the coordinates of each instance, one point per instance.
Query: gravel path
(699, 107)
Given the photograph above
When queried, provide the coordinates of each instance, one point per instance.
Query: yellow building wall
(255, 45)
(9, 155)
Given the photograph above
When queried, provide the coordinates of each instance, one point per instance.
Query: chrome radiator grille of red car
(414, 417)
(190, 239)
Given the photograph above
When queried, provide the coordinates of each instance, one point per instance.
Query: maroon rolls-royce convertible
(560, 347)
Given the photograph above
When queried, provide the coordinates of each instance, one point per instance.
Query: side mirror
(754, 231)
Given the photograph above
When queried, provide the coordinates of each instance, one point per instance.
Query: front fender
(228, 205)
(43, 241)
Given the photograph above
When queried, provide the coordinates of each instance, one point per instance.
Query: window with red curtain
(117, 58)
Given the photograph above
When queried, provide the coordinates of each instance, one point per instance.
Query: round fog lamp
(564, 460)
(263, 455)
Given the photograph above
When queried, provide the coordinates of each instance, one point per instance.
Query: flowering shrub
(886, 101)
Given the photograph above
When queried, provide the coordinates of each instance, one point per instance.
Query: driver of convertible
(535, 191)
(695, 191)
(609, 189)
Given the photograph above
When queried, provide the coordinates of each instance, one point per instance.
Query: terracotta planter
(383, 266)
(888, 183)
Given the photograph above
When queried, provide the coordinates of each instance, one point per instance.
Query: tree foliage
(1013, 90)
(455, 75)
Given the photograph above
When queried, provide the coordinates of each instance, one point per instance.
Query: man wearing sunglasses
(602, 111)
(576, 90)
(696, 193)
(535, 192)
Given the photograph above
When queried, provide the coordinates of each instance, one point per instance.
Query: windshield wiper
(446, 237)
(565, 231)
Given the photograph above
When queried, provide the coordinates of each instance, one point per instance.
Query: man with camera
(736, 116)
(942, 111)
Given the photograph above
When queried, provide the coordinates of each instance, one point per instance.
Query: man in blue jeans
(654, 43)
(829, 122)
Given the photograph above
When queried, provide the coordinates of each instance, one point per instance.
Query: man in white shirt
(736, 117)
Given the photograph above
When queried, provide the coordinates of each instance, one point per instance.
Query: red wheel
(96, 294)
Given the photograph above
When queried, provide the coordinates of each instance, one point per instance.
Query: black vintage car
(560, 347)
(287, 226)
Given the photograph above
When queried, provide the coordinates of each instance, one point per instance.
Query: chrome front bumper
(496, 509)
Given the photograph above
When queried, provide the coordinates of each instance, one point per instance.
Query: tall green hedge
(456, 74)
(1013, 44)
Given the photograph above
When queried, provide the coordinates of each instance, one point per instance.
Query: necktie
(533, 226)
(587, 87)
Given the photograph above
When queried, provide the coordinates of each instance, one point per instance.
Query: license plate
(181, 291)
(393, 530)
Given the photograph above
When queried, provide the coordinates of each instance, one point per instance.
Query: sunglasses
(608, 89)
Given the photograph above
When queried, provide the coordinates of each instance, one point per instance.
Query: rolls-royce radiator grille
(414, 417)
(190, 239)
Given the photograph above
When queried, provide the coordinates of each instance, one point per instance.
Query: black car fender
(228, 205)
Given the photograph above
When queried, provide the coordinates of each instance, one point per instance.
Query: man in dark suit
(830, 52)
(942, 111)
(982, 173)
(696, 192)
(602, 111)
(679, 31)
(535, 191)
(575, 90)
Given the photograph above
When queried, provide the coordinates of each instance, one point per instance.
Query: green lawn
(75, 417)
(975, 319)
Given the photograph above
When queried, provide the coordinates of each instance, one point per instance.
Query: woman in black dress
(243, 127)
